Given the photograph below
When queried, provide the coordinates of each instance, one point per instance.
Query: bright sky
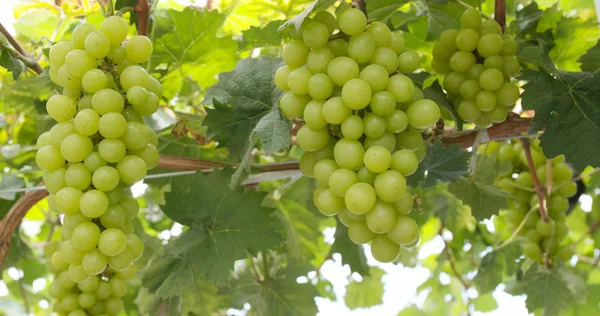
(400, 283)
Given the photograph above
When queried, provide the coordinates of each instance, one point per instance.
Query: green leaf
(591, 60)
(188, 41)
(381, 10)
(439, 21)
(367, 293)
(573, 37)
(12, 64)
(566, 104)
(437, 201)
(318, 5)
(494, 265)
(485, 303)
(221, 230)
(440, 165)
(551, 290)
(536, 55)
(479, 192)
(352, 254)
(435, 93)
(267, 35)
(10, 181)
(200, 299)
(245, 101)
(167, 276)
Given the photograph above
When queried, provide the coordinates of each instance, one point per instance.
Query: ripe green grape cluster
(362, 124)
(97, 150)
(478, 62)
(536, 236)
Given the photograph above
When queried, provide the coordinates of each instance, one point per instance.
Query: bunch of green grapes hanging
(537, 236)
(362, 124)
(478, 62)
(97, 150)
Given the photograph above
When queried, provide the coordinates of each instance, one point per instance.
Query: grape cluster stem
(142, 10)
(539, 191)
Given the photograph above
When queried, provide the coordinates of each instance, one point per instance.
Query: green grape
(441, 67)
(115, 195)
(131, 169)
(387, 140)
(498, 114)
(494, 61)
(329, 203)
(376, 76)
(491, 79)
(149, 154)
(453, 82)
(86, 122)
(128, 273)
(54, 180)
(468, 111)
(338, 47)
(374, 125)
(401, 87)
(352, 21)
(72, 93)
(341, 69)
(310, 139)
(462, 61)
(294, 53)
(366, 176)
(383, 249)
(80, 33)
(139, 49)
(532, 251)
(485, 100)
(297, 80)
(121, 261)
(90, 285)
(326, 18)
(377, 159)
(152, 137)
(58, 262)
(61, 108)
(103, 290)
(489, 45)
(315, 34)
(94, 262)
(75, 147)
(280, 77)
(340, 180)
(51, 247)
(59, 51)
(387, 58)
(67, 200)
(85, 236)
(490, 27)
(97, 44)
(307, 163)
(320, 87)
(323, 170)
(117, 54)
(396, 42)
(113, 305)
(380, 33)
(390, 186)
(441, 53)
(509, 48)
(136, 136)
(313, 116)
(112, 125)
(86, 300)
(60, 131)
(352, 127)
(292, 105)
(44, 139)
(475, 72)
(115, 28)
(135, 245)
(423, 114)
(66, 79)
(111, 242)
(511, 66)
(74, 219)
(383, 103)
(70, 303)
(469, 89)
(349, 153)
(515, 216)
(381, 217)
(85, 102)
(448, 39)
(318, 59)
(404, 231)
(111, 150)
(105, 178)
(567, 189)
(506, 152)
(107, 100)
(409, 139)
(561, 172)
(544, 229)
(404, 205)
(133, 76)
(56, 291)
(404, 161)
(409, 61)
(360, 198)
(78, 176)
(69, 254)
(137, 97)
(78, 62)
(470, 19)
(93, 203)
(467, 40)
(397, 121)
(335, 110)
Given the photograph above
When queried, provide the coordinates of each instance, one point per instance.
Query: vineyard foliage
(245, 234)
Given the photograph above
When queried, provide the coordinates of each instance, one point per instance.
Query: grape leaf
(494, 265)
(478, 191)
(381, 10)
(167, 276)
(352, 254)
(573, 37)
(267, 35)
(245, 101)
(318, 5)
(434, 92)
(12, 64)
(566, 104)
(485, 303)
(527, 19)
(590, 61)
(551, 290)
(188, 41)
(366, 293)
(440, 165)
(221, 231)
(536, 55)
(439, 21)
(437, 201)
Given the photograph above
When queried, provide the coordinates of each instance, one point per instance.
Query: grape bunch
(362, 124)
(478, 62)
(99, 147)
(536, 235)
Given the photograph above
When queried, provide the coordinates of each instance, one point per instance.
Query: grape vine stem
(539, 191)
(500, 13)
(20, 52)
(142, 10)
(455, 271)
